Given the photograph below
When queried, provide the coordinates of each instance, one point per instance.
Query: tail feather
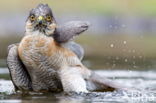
(100, 84)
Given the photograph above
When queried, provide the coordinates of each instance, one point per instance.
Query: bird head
(41, 19)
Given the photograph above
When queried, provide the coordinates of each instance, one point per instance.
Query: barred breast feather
(37, 48)
(43, 58)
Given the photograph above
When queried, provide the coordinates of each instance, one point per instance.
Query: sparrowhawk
(47, 59)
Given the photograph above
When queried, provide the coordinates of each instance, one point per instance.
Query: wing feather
(18, 73)
(70, 29)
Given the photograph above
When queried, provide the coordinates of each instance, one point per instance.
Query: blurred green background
(122, 34)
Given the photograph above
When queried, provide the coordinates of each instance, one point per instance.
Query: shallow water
(142, 82)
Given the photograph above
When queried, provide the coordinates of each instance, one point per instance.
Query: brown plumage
(33, 48)
(48, 58)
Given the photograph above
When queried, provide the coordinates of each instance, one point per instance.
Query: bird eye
(32, 17)
(48, 18)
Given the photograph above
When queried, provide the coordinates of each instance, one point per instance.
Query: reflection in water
(68, 100)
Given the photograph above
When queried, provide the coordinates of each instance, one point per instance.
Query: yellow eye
(48, 18)
(32, 17)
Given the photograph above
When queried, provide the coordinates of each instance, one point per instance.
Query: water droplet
(110, 26)
(109, 57)
(116, 27)
(107, 63)
(134, 66)
(141, 37)
(126, 60)
(129, 51)
(117, 58)
(124, 50)
(112, 45)
(140, 56)
(125, 42)
(133, 51)
(114, 65)
(123, 25)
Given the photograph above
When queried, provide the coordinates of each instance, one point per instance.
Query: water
(142, 82)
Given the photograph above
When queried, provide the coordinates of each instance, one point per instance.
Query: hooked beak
(40, 20)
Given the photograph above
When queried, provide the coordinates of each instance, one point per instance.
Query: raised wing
(76, 48)
(18, 73)
(70, 29)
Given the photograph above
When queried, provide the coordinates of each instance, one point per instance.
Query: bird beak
(40, 20)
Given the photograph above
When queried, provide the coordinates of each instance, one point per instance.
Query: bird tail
(99, 83)
(102, 84)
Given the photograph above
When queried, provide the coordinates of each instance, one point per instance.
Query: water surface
(143, 82)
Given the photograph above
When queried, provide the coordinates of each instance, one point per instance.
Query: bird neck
(49, 31)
